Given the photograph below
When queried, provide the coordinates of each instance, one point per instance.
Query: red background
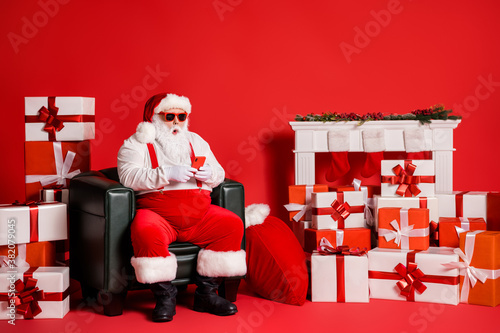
(248, 68)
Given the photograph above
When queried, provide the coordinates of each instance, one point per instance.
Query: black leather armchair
(101, 210)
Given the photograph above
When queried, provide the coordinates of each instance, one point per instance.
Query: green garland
(425, 116)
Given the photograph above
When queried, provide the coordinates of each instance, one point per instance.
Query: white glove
(204, 173)
(180, 173)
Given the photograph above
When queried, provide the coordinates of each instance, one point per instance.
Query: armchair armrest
(100, 211)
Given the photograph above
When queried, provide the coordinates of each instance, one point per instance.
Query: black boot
(207, 300)
(165, 293)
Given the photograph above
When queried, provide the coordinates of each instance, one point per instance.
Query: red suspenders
(154, 158)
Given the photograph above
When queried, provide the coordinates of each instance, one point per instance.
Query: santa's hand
(204, 173)
(180, 173)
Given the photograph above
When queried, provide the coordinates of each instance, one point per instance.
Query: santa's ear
(145, 132)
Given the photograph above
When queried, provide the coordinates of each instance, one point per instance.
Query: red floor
(259, 315)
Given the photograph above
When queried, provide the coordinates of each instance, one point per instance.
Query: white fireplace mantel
(311, 137)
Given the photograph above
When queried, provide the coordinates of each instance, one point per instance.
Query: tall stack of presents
(399, 240)
(34, 246)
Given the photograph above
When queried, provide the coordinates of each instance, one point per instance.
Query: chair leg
(88, 292)
(229, 288)
(112, 302)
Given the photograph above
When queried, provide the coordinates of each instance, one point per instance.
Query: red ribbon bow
(49, 116)
(410, 279)
(344, 250)
(340, 210)
(26, 203)
(27, 297)
(407, 182)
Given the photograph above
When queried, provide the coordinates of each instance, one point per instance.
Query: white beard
(175, 146)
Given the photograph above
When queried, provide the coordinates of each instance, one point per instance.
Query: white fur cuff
(256, 214)
(155, 269)
(414, 140)
(373, 140)
(145, 132)
(221, 264)
(338, 140)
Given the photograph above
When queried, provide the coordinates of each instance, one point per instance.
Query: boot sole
(162, 319)
(200, 309)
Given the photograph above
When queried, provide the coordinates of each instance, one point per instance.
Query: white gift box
(17, 221)
(76, 114)
(51, 195)
(442, 284)
(462, 204)
(431, 203)
(325, 275)
(53, 281)
(424, 168)
(322, 210)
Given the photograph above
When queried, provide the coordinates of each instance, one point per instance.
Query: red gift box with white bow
(53, 164)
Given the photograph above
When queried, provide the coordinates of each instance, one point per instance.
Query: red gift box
(450, 229)
(52, 164)
(480, 267)
(37, 254)
(402, 228)
(299, 197)
(354, 237)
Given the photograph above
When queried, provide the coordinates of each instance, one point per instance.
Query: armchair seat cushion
(183, 248)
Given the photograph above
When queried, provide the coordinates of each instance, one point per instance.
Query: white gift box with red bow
(338, 210)
(48, 286)
(419, 276)
(59, 118)
(408, 178)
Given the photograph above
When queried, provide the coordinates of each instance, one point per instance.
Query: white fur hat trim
(256, 214)
(173, 101)
(145, 132)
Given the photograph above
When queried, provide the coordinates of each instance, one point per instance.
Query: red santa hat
(159, 103)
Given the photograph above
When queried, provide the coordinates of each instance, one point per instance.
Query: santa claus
(173, 204)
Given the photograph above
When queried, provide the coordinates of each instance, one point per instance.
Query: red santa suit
(170, 210)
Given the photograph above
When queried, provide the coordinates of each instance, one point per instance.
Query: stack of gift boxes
(34, 247)
(400, 241)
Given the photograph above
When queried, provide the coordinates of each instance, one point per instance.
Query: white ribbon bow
(324, 243)
(397, 233)
(472, 274)
(401, 235)
(292, 207)
(303, 209)
(63, 165)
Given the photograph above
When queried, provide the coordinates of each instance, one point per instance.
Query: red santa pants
(184, 216)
